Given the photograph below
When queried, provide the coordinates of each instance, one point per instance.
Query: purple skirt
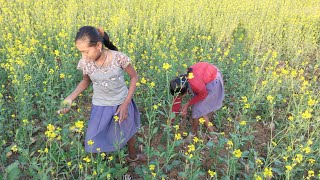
(107, 134)
(213, 101)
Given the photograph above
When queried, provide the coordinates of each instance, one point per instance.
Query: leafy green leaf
(155, 130)
(210, 144)
(278, 171)
(13, 170)
(182, 174)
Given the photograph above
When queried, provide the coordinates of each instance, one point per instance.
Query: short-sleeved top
(109, 88)
(199, 75)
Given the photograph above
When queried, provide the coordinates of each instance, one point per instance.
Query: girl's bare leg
(133, 153)
(131, 148)
(194, 127)
(210, 129)
(183, 123)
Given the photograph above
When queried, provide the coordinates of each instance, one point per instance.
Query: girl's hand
(184, 109)
(123, 110)
(66, 104)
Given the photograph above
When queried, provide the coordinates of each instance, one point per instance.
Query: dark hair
(179, 85)
(94, 36)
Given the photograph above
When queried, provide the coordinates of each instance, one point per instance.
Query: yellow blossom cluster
(52, 132)
(77, 127)
(86, 159)
(212, 173)
(229, 144)
(152, 168)
(237, 153)
(244, 100)
(166, 66)
(177, 136)
(191, 149)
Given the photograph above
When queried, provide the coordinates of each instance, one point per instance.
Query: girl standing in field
(114, 118)
(205, 81)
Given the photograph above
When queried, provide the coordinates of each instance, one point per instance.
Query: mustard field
(268, 52)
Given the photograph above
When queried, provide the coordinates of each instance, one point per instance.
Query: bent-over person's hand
(184, 109)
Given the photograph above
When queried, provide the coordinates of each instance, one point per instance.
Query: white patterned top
(109, 88)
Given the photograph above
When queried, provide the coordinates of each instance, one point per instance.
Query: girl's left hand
(123, 110)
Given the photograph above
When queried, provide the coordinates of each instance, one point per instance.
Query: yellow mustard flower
(62, 75)
(79, 125)
(202, 120)
(229, 144)
(212, 173)
(242, 123)
(267, 172)
(310, 173)
(299, 158)
(306, 114)
(270, 98)
(244, 99)
(311, 161)
(246, 106)
(110, 158)
(87, 159)
(14, 148)
(143, 80)
(259, 162)
(94, 173)
(166, 66)
(103, 155)
(307, 149)
(191, 148)
(155, 107)
(151, 167)
(311, 102)
(196, 139)
(257, 177)
(190, 75)
(237, 153)
(258, 118)
(177, 136)
(90, 142)
(25, 121)
(116, 118)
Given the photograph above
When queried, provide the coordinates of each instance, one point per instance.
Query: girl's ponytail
(106, 40)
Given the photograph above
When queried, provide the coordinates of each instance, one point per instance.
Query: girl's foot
(140, 158)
